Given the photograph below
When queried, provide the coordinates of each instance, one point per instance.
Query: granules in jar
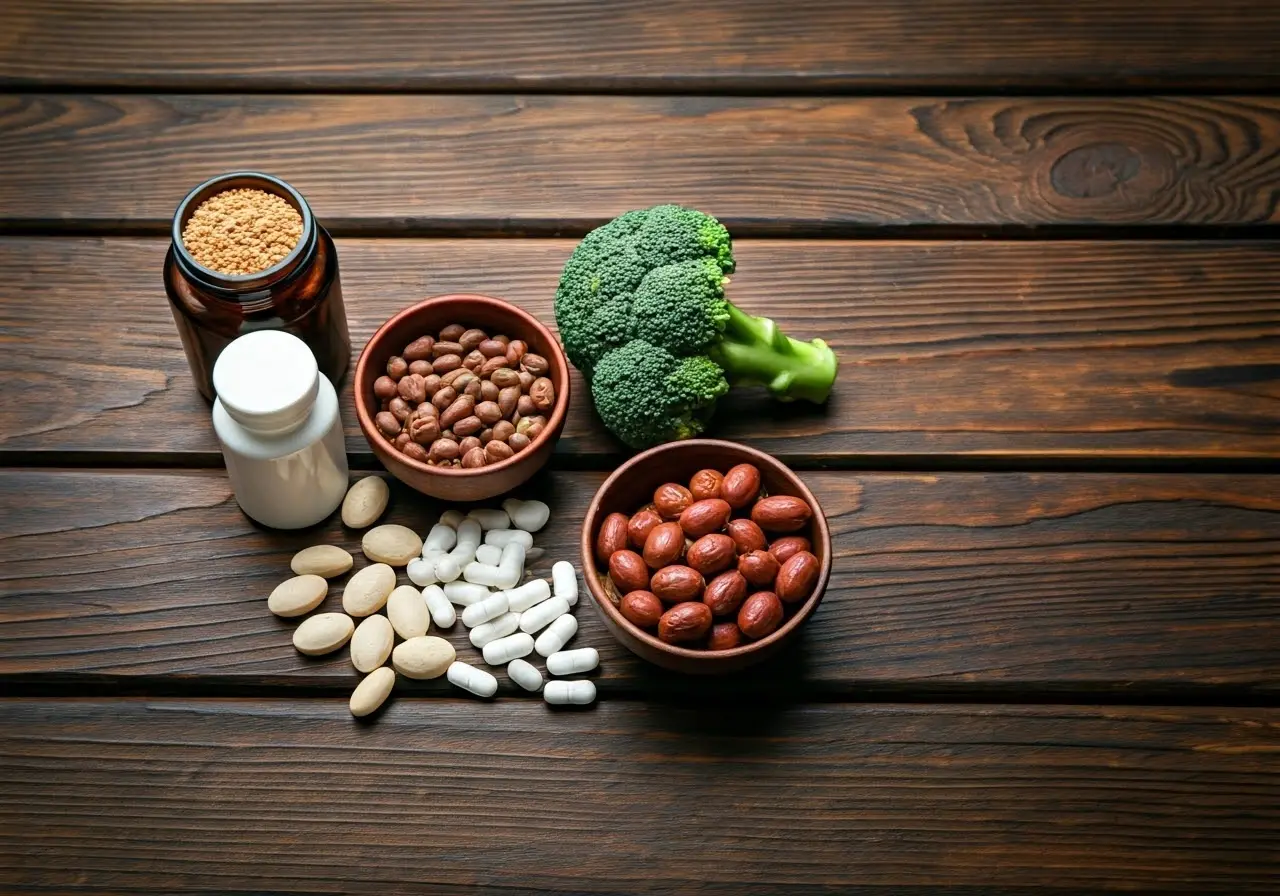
(242, 231)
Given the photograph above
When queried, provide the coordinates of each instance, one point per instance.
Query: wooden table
(1041, 237)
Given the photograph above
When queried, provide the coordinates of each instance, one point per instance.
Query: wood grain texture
(503, 798)
(1146, 350)
(736, 45)
(552, 164)
(967, 583)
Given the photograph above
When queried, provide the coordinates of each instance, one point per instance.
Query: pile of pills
(470, 568)
(476, 562)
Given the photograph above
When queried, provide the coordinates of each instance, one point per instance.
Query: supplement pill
(525, 674)
(557, 635)
(464, 594)
(447, 568)
(477, 681)
(565, 579)
(421, 572)
(441, 538)
(527, 515)
(491, 607)
(442, 612)
(504, 625)
(490, 518)
(452, 518)
(469, 533)
(527, 595)
(374, 689)
(504, 650)
(500, 538)
(536, 618)
(483, 574)
(571, 662)
(488, 554)
(569, 693)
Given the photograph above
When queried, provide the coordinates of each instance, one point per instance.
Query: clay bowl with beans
(705, 556)
(462, 397)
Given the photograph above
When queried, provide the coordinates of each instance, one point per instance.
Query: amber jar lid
(245, 289)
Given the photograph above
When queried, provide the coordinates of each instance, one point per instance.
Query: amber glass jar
(301, 294)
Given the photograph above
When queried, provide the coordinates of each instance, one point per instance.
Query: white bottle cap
(267, 381)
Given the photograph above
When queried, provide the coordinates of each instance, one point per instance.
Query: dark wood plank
(981, 584)
(738, 45)
(1059, 351)
(552, 164)
(626, 798)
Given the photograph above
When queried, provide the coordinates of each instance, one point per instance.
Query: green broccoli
(642, 313)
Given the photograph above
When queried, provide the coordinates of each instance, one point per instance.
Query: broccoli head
(642, 312)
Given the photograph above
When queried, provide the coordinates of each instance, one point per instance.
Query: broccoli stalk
(753, 349)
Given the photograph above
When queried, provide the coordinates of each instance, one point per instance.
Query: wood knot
(1088, 172)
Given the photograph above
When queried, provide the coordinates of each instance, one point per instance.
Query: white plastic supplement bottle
(277, 420)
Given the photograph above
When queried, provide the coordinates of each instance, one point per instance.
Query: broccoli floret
(642, 311)
(645, 395)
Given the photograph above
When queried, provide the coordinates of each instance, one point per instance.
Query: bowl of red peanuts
(705, 556)
(462, 397)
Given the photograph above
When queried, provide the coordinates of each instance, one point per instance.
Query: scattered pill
(532, 592)
(557, 635)
(452, 518)
(440, 538)
(571, 662)
(421, 572)
(374, 689)
(442, 612)
(477, 681)
(469, 533)
(447, 568)
(565, 580)
(538, 617)
(504, 650)
(464, 594)
(525, 674)
(490, 518)
(504, 625)
(527, 515)
(500, 538)
(569, 693)
(484, 610)
(489, 554)
(483, 574)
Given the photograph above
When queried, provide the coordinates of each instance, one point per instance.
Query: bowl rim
(364, 384)
(606, 606)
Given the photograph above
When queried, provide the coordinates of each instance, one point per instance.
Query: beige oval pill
(408, 612)
(365, 502)
(425, 657)
(392, 544)
(321, 560)
(323, 633)
(297, 596)
(371, 643)
(372, 691)
(368, 589)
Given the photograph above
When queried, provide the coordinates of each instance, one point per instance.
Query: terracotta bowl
(631, 487)
(428, 317)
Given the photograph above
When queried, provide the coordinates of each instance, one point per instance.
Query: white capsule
(525, 674)
(490, 518)
(504, 650)
(557, 635)
(421, 572)
(512, 563)
(534, 591)
(469, 678)
(504, 625)
(442, 613)
(528, 515)
(452, 518)
(484, 574)
(500, 538)
(464, 594)
(538, 617)
(569, 693)
(571, 662)
(463, 554)
(447, 568)
(491, 607)
(469, 533)
(489, 554)
(565, 579)
(440, 538)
